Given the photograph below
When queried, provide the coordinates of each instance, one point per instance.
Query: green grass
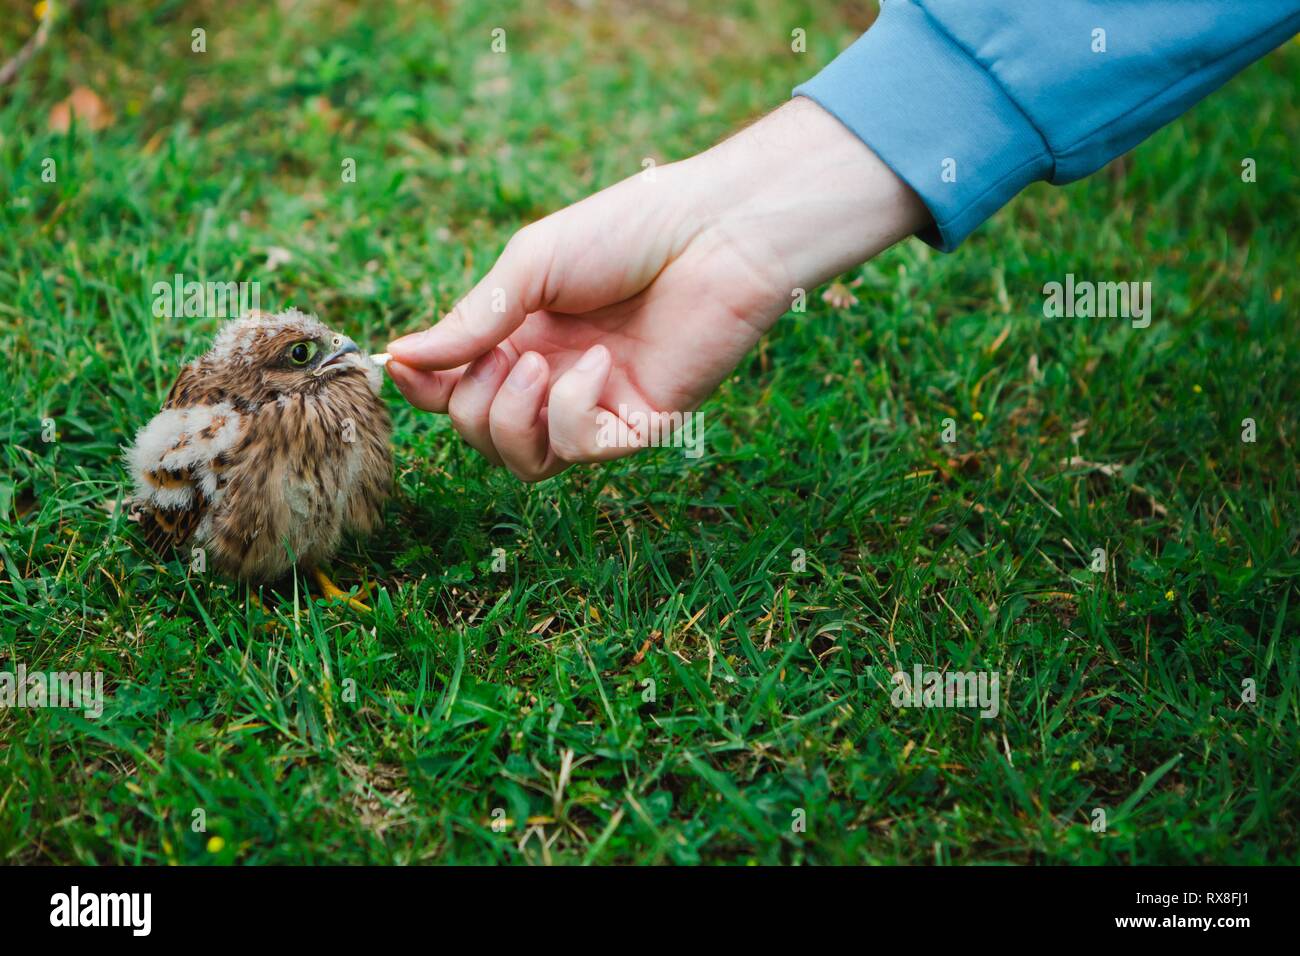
(519, 695)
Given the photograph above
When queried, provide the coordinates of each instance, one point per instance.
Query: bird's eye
(302, 353)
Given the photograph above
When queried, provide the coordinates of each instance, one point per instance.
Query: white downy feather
(172, 440)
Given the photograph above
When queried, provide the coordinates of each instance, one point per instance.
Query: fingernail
(483, 367)
(592, 359)
(525, 372)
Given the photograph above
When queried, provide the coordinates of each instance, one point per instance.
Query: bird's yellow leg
(331, 591)
(271, 624)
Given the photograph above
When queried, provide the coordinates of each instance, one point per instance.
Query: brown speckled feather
(260, 462)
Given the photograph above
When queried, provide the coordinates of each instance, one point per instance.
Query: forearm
(970, 101)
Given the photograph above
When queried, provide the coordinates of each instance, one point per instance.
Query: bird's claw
(270, 624)
(332, 592)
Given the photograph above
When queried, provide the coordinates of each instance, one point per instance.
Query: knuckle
(522, 240)
(461, 414)
(570, 432)
(572, 447)
(511, 421)
(566, 393)
(456, 411)
(468, 404)
(511, 435)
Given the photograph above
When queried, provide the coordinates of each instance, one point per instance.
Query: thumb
(492, 310)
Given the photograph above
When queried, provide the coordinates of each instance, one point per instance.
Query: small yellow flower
(978, 416)
(216, 844)
(1196, 389)
(38, 11)
(1076, 765)
(1169, 595)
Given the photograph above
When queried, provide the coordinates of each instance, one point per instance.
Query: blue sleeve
(969, 101)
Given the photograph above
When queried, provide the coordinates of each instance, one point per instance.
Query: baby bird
(268, 448)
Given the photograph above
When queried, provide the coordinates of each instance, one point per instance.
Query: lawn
(664, 659)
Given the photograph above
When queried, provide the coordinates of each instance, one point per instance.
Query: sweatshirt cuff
(935, 117)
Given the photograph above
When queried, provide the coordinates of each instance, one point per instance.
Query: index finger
(494, 308)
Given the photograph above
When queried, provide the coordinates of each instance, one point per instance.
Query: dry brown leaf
(1115, 471)
(997, 343)
(1106, 468)
(837, 294)
(83, 103)
(331, 117)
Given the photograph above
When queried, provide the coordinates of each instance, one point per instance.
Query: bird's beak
(346, 347)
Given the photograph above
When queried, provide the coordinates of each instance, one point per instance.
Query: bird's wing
(178, 462)
(188, 390)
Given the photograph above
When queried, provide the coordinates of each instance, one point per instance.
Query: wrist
(804, 194)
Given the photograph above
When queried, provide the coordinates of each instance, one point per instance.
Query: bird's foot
(270, 624)
(332, 592)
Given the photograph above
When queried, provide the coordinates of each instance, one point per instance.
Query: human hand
(640, 299)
